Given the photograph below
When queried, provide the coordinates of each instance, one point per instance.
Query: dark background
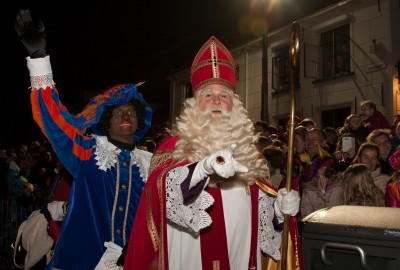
(94, 45)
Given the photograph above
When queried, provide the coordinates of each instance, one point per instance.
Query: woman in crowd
(359, 187)
(368, 154)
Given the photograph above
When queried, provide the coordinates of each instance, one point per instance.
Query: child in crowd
(359, 187)
(324, 190)
(354, 125)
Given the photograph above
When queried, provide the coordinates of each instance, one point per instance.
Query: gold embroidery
(221, 62)
(216, 265)
(159, 159)
(129, 196)
(296, 251)
(160, 188)
(213, 46)
(161, 191)
(158, 238)
(216, 80)
(150, 221)
(115, 201)
(214, 57)
(266, 188)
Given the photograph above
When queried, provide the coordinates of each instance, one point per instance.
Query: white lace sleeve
(270, 240)
(191, 216)
(40, 72)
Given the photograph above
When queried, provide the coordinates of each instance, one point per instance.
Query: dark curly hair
(104, 124)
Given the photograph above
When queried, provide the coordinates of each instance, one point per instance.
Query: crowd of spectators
(354, 164)
(32, 176)
(326, 170)
(29, 172)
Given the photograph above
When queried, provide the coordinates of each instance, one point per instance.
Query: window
(281, 70)
(335, 52)
(334, 118)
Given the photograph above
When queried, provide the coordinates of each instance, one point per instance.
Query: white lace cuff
(193, 215)
(40, 71)
(270, 240)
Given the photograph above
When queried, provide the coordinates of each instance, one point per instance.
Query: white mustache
(216, 108)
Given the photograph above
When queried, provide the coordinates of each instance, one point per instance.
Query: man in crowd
(373, 118)
(207, 204)
(316, 143)
(109, 171)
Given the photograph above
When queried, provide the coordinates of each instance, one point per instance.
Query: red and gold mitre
(213, 64)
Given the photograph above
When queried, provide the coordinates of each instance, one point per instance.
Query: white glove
(221, 163)
(110, 257)
(286, 203)
(56, 210)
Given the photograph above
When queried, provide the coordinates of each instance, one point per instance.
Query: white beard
(201, 134)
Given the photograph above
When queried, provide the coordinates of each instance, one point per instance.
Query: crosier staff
(294, 63)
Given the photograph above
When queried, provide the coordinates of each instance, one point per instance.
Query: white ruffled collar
(107, 153)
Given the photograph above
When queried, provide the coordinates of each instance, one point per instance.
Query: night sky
(94, 45)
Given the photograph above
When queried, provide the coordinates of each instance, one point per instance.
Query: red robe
(148, 245)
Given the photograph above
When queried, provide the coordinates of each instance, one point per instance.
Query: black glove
(121, 259)
(32, 35)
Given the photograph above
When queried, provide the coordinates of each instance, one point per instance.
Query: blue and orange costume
(108, 180)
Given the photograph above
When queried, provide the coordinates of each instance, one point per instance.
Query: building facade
(350, 52)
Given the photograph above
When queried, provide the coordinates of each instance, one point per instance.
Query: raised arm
(49, 113)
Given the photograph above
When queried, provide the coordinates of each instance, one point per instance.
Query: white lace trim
(270, 240)
(139, 160)
(191, 216)
(42, 81)
(107, 156)
(106, 153)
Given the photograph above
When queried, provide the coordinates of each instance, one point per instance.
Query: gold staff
(294, 63)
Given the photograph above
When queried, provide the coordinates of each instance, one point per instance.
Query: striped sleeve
(57, 124)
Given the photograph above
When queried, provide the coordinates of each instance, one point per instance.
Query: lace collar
(107, 153)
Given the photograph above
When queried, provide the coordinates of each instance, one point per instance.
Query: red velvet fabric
(148, 248)
(213, 64)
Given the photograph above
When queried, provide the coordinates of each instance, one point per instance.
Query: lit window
(335, 52)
